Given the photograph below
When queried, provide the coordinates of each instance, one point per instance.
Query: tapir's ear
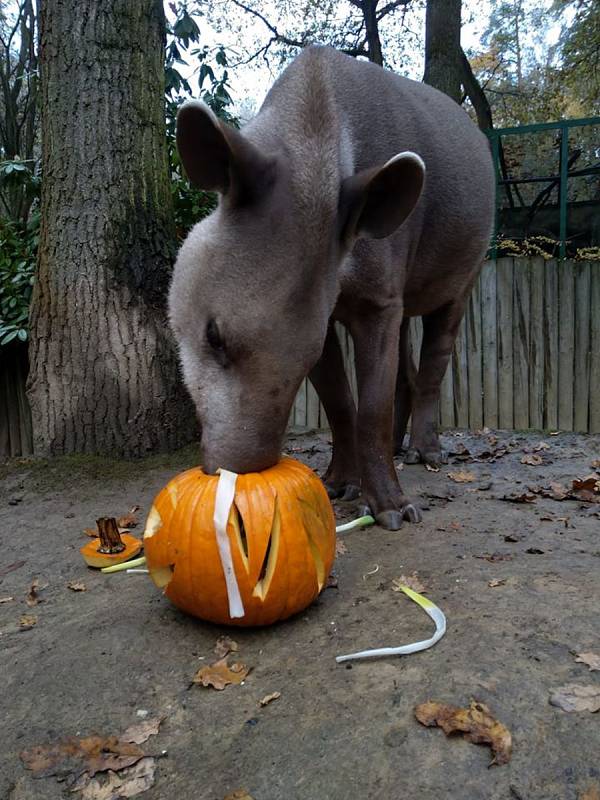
(375, 202)
(217, 157)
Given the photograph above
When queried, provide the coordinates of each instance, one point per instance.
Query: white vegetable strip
(361, 522)
(436, 614)
(223, 502)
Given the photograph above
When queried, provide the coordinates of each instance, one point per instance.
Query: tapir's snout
(240, 454)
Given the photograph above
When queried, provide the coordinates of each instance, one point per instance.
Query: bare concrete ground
(95, 658)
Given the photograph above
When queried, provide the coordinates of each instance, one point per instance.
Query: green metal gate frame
(563, 125)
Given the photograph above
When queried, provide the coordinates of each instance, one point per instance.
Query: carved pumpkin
(281, 533)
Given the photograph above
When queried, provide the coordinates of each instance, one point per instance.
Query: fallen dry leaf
(574, 697)
(340, 548)
(220, 674)
(77, 586)
(75, 756)
(532, 460)
(412, 581)
(590, 483)
(592, 660)
(91, 532)
(268, 698)
(475, 722)
(493, 557)
(6, 599)
(27, 621)
(225, 645)
(128, 782)
(462, 476)
(595, 463)
(591, 793)
(239, 794)
(496, 582)
(332, 581)
(33, 595)
(129, 520)
(141, 731)
(554, 433)
(431, 468)
(542, 446)
(523, 497)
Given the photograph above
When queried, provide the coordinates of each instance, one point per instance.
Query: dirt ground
(96, 661)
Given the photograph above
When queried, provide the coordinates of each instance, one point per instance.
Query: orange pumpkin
(281, 532)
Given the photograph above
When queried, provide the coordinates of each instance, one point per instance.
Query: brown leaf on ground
(91, 532)
(268, 698)
(595, 463)
(590, 483)
(141, 731)
(128, 782)
(462, 476)
(225, 645)
(412, 581)
(77, 586)
(592, 660)
(239, 794)
(522, 497)
(475, 722)
(27, 621)
(340, 548)
(574, 697)
(220, 674)
(532, 460)
(591, 793)
(75, 756)
(542, 446)
(6, 599)
(33, 595)
(496, 582)
(556, 491)
(331, 582)
(431, 468)
(129, 520)
(493, 557)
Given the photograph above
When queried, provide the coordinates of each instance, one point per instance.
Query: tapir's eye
(213, 336)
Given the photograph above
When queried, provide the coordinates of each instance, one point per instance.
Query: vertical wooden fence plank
(489, 344)
(300, 406)
(594, 426)
(566, 344)
(473, 323)
(550, 339)
(536, 344)
(312, 405)
(582, 346)
(505, 269)
(521, 344)
(460, 383)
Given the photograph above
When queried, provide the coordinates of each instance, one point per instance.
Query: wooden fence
(15, 417)
(527, 354)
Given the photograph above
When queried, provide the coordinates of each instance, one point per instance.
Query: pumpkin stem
(110, 538)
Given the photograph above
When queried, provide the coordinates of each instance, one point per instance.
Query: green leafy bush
(18, 249)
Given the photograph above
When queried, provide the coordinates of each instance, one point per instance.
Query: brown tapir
(354, 195)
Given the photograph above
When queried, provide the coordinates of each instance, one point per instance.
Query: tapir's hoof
(412, 456)
(392, 520)
(348, 491)
(365, 511)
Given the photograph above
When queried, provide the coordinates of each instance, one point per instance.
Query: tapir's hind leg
(328, 376)
(439, 332)
(405, 387)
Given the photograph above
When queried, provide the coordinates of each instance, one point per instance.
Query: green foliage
(210, 66)
(18, 248)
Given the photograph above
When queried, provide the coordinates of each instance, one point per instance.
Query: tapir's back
(379, 114)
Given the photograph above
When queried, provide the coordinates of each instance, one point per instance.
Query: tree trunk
(104, 376)
(369, 9)
(442, 47)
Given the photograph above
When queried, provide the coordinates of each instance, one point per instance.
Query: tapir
(354, 195)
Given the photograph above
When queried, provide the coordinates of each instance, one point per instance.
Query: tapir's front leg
(376, 335)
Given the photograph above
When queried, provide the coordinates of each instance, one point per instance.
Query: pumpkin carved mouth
(281, 533)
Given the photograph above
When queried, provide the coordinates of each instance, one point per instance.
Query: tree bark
(442, 47)
(104, 375)
(369, 9)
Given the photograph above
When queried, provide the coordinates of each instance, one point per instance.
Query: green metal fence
(509, 186)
